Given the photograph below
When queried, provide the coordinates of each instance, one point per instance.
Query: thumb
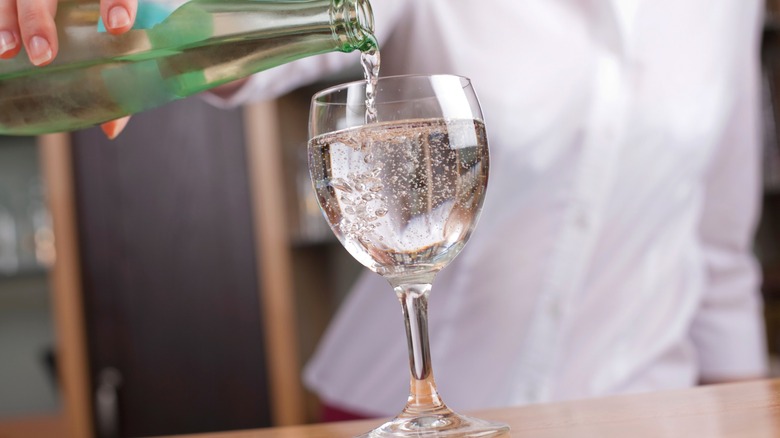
(113, 128)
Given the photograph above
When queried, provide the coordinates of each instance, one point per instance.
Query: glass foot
(438, 425)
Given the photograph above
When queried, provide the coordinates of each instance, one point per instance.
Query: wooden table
(741, 410)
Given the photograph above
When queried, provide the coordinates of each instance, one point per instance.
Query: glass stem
(423, 396)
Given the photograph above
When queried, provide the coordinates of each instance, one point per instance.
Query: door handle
(107, 402)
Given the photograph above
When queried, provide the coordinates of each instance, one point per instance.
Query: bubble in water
(438, 138)
(417, 184)
(341, 184)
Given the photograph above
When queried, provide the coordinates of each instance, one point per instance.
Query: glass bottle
(170, 54)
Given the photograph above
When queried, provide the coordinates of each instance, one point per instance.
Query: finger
(36, 25)
(113, 128)
(9, 30)
(118, 15)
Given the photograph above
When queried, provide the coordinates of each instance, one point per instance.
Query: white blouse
(613, 254)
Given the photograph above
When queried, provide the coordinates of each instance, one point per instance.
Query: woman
(613, 253)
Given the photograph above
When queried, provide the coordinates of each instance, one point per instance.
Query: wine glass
(402, 186)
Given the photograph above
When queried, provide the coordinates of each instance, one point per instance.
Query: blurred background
(176, 279)
(767, 244)
(191, 276)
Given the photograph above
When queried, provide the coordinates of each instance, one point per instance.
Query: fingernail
(118, 17)
(113, 128)
(7, 41)
(40, 50)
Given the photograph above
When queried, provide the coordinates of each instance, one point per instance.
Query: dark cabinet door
(168, 264)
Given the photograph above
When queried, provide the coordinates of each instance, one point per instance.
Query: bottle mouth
(358, 19)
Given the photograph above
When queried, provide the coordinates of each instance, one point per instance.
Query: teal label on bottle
(150, 13)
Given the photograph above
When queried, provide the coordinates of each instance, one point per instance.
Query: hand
(31, 23)
(227, 90)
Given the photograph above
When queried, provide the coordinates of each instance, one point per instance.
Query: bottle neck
(347, 23)
(353, 22)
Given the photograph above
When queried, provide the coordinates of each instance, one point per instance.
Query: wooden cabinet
(171, 295)
(194, 273)
(175, 279)
(30, 397)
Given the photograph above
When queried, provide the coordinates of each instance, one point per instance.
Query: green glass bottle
(169, 54)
